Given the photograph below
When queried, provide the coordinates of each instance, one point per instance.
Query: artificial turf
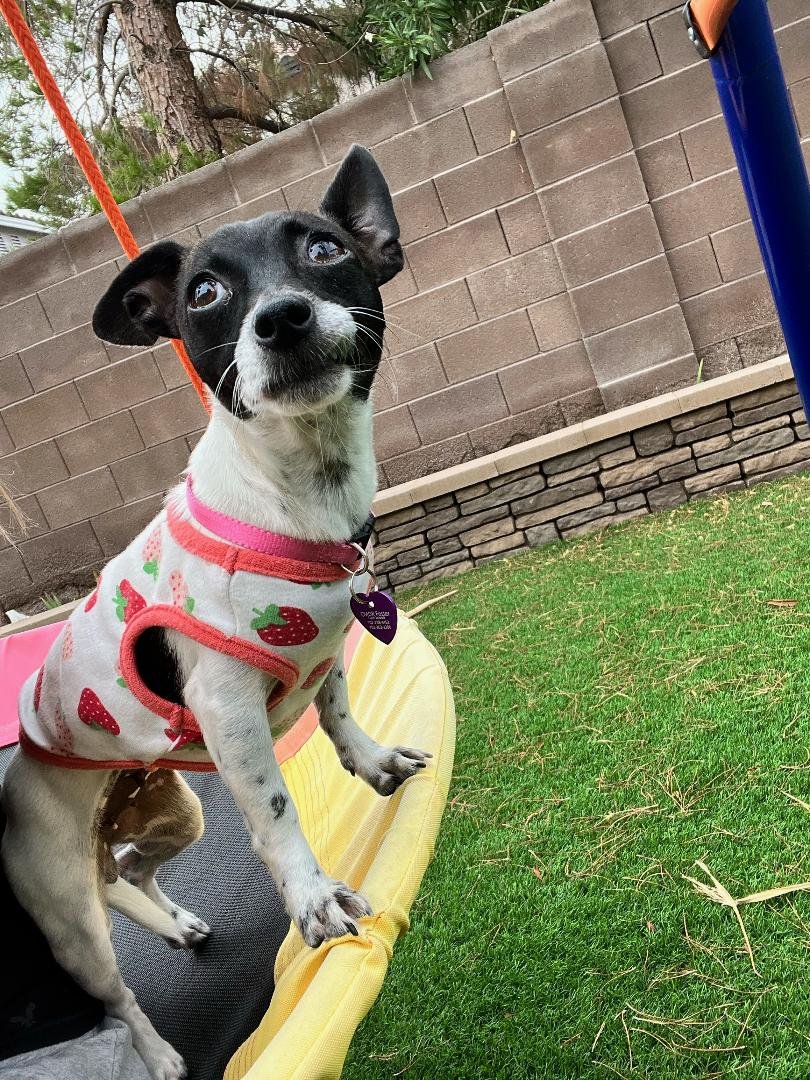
(627, 704)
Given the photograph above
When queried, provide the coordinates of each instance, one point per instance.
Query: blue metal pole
(758, 112)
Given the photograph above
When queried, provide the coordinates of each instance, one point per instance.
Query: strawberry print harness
(277, 604)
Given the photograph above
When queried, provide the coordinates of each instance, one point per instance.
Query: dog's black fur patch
(157, 665)
(263, 258)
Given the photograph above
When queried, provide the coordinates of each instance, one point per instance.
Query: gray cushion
(103, 1053)
(207, 1002)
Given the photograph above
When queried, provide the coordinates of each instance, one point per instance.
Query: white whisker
(223, 376)
(384, 318)
(213, 348)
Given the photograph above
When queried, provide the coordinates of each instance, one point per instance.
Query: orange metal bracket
(707, 20)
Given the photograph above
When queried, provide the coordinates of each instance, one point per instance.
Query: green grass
(627, 705)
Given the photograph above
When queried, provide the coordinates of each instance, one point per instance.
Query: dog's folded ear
(358, 199)
(140, 305)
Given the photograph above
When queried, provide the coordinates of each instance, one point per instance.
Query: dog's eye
(205, 293)
(325, 251)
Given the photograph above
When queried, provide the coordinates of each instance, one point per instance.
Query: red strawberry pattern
(180, 597)
(93, 597)
(63, 732)
(318, 673)
(38, 688)
(151, 553)
(93, 713)
(284, 625)
(128, 602)
(184, 738)
(67, 642)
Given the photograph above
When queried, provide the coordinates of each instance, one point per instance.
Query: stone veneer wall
(576, 240)
(705, 450)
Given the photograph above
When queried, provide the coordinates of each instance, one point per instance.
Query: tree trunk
(163, 70)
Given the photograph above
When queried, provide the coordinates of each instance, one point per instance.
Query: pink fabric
(269, 543)
(20, 655)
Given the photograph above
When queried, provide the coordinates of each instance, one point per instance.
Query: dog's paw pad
(395, 767)
(190, 931)
(332, 914)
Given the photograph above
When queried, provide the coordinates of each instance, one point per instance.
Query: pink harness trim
(268, 543)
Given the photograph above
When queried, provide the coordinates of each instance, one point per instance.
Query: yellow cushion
(400, 694)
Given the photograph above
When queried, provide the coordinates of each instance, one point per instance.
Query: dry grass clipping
(13, 515)
(429, 603)
(719, 894)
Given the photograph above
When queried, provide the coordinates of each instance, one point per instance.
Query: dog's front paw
(162, 1060)
(172, 1068)
(330, 911)
(189, 930)
(392, 767)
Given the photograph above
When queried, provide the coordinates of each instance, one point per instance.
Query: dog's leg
(383, 768)
(229, 702)
(162, 819)
(137, 865)
(136, 905)
(50, 858)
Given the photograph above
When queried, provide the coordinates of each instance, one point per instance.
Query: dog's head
(280, 314)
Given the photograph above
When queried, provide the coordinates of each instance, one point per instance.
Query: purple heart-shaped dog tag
(377, 613)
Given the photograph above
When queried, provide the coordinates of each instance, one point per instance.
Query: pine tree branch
(120, 79)
(282, 14)
(233, 112)
(101, 32)
(216, 55)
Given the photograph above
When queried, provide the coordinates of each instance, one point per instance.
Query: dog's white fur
(273, 465)
(263, 471)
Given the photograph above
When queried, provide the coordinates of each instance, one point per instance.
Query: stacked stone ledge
(762, 435)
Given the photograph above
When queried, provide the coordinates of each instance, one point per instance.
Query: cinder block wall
(609, 476)
(576, 240)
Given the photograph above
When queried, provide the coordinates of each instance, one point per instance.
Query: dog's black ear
(358, 199)
(140, 305)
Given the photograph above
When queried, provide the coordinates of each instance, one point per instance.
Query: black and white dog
(282, 318)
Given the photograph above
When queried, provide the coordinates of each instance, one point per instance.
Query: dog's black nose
(282, 321)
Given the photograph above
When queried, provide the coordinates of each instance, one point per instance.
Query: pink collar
(268, 543)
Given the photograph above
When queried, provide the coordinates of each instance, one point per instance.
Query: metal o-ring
(372, 587)
(364, 568)
(365, 564)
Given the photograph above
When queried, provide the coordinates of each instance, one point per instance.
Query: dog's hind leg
(131, 901)
(383, 768)
(158, 822)
(50, 858)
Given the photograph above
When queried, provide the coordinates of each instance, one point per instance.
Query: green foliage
(57, 191)
(131, 166)
(50, 190)
(404, 37)
(408, 36)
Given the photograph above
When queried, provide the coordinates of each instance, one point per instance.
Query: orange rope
(84, 155)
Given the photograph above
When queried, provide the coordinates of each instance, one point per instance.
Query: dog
(184, 655)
